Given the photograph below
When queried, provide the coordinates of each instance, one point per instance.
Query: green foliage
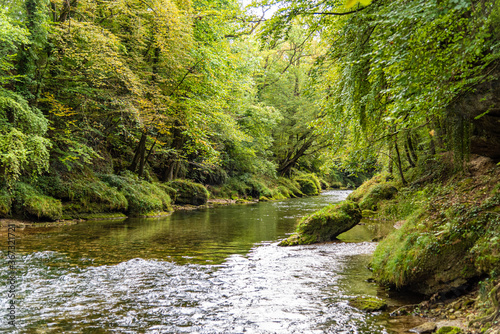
(30, 203)
(292, 185)
(143, 197)
(22, 145)
(188, 192)
(5, 203)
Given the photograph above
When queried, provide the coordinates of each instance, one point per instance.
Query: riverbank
(446, 244)
(109, 196)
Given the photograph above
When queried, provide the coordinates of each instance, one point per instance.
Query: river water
(205, 271)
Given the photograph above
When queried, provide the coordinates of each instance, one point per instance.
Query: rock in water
(368, 304)
(326, 224)
(428, 327)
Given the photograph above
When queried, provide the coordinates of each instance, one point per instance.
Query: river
(205, 271)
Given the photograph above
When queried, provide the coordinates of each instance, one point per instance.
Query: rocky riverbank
(446, 244)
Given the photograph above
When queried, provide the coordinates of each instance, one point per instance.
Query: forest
(97, 96)
(128, 107)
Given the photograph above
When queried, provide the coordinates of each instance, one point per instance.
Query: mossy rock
(364, 188)
(368, 213)
(368, 304)
(325, 224)
(31, 203)
(189, 192)
(142, 196)
(449, 330)
(375, 194)
(307, 186)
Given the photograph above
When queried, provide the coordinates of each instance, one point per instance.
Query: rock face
(189, 192)
(326, 224)
(480, 107)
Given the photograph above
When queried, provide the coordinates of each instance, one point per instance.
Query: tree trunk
(412, 149)
(139, 152)
(408, 155)
(400, 168)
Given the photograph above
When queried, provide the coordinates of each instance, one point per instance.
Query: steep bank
(447, 237)
(108, 196)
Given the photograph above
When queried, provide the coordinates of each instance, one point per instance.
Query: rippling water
(211, 271)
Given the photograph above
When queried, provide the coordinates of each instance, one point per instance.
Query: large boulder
(326, 224)
(189, 192)
(375, 194)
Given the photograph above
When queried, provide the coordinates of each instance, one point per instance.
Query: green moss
(375, 194)
(308, 186)
(142, 196)
(325, 224)
(29, 202)
(449, 330)
(292, 186)
(361, 191)
(189, 192)
(368, 304)
(298, 239)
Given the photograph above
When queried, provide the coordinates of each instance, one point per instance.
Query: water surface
(207, 271)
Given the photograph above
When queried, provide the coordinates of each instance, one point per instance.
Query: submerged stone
(368, 304)
(325, 225)
(428, 327)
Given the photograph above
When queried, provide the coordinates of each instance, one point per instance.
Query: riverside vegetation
(130, 107)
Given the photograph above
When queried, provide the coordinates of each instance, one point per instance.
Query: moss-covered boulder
(368, 304)
(144, 198)
(189, 192)
(31, 203)
(326, 224)
(375, 194)
(364, 188)
(308, 186)
(371, 192)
